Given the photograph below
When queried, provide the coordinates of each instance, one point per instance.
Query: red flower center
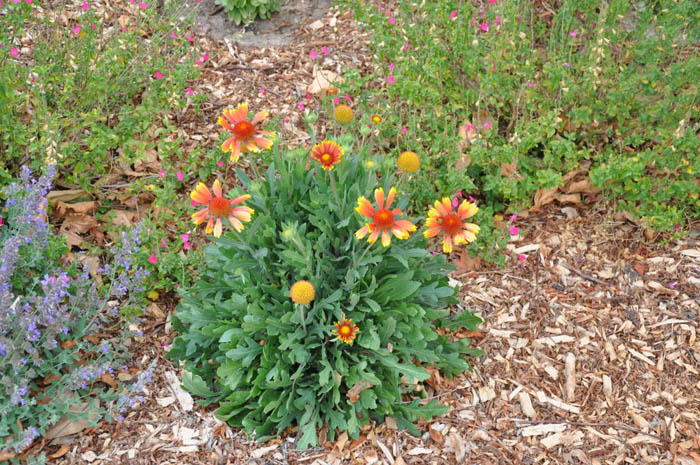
(244, 130)
(383, 219)
(451, 223)
(326, 158)
(220, 207)
(345, 329)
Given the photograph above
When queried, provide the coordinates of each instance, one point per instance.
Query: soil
(280, 29)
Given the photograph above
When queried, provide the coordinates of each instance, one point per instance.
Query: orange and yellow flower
(442, 218)
(346, 330)
(302, 292)
(383, 219)
(217, 207)
(327, 153)
(247, 135)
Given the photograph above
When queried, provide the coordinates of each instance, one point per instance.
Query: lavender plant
(47, 362)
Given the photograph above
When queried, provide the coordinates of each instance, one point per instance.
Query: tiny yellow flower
(343, 114)
(376, 119)
(153, 295)
(346, 330)
(302, 292)
(370, 164)
(409, 162)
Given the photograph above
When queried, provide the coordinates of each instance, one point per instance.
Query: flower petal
(240, 199)
(447, 244)
(237, 225)
(373, 237)
(379, 197)
(242, 213)
(224, 123)
(217, 188)
(444, 207)
(263, 143)
(362, 232)
(386, 238)
(210, 225)
(390, 197)
(201, 194)
(218, 228)
(236, 151)
(467, 210)
(259, 116)
(228, 144)
(432, 232)
(199, 217)
(364, 207)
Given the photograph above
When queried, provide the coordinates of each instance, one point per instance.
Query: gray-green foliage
(246, 11)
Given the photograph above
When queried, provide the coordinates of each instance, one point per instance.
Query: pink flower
(220, 164)
(459, 193)
(392, 20)
(521, 257)
(487, 125)
(313, 54)
(163, 243)
(14, 52)
(199, 62)
(158, 75)
(76, 29)
(189, 91)
(491, 2)
(193, 203)
(390, 79)
(93, 27)
(179, 176)
(471, 199)
(572, 33)
(391, 67)
(485, 26)
(153, 259)
(497, 20)
(205, 57)
(672, 285)
(336, 100)
(493, 67)
(300, 105)
(513, 218)
(379, 9)
(472, 21)
(347, 98)
(405, 46)
(470, 127)
(190, 38)
(404, 130)
(161, 173)
(453, 15)
(84, 6)
(434, 252)
(455, 202)
(529, 83)
(185, 237)
(325, 50)
(173, 35)
(513, 230)
(262, 91)
(308, 96)
(143, 5)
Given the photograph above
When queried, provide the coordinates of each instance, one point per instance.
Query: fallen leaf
(323, 80)
(568, 198)
(584, 186)
(391, 423)
(436, 436)
(468, 263)
(263, 451)
(78, 223)
(342, 440)
(543, 197)
(66, 195)
(6, 456)
(354, 392)
(79, 207)
(458, 445)
(65, 426)
(123, 217)
(570, 212)
(108, 379)
(63, 450)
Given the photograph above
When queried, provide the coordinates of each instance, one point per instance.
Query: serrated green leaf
(194, 384)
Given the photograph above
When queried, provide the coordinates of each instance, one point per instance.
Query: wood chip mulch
(591, 348)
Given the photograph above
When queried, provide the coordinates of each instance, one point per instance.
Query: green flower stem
(335, 192)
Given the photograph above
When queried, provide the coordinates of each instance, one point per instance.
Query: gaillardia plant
(295, 322)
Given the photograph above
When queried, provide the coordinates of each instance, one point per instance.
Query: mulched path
(591, 348)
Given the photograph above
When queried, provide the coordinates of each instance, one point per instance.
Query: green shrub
(545, 89)
(246, 11)
(271, 363)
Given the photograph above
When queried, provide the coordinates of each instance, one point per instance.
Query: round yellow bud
(343, 114)
(153, 295)
(302, 292)
(409, 162)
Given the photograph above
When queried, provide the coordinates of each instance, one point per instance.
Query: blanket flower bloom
(383, 219)
(442, 218)
(302, 292)
(327, 153)
(247, 135)
(409, 162)
(346, 330)
(217, 207)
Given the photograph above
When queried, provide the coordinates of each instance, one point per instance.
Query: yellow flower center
(451, 223)
(383, 219)
(326, 158)
(345, 330)
(244, 130)
(220, 207)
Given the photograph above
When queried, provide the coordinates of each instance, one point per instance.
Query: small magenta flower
(404, 130)
(521, 257)
(143, 5)
(158, 75)
(84, 6)
(513, 230)
(313, 54)
(485, 26)
(179, 176)
(14, 52)
(453, 15)
(325, 50)
(76, 29)
(173, 35)
(189, 91)
(390, 79)
(153, 259)
(392, 20)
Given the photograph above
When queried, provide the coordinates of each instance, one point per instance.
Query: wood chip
(526, 405)
(544, 428)
(570, 375)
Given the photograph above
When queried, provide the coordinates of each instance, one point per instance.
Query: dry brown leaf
(436, 436)
(78, 223)
(354, 392)
(108, 379)
(458, 445)
(6, 456)
(568, 198)
(390, 423)
(67, 195)
(510, 170)
(584, 186)
(63, 450)
(468, 263)
(66, 427)
(79, 207)
(342, 440)
(543, 197)
(323, 80)
(123, 217)
(399, 461)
